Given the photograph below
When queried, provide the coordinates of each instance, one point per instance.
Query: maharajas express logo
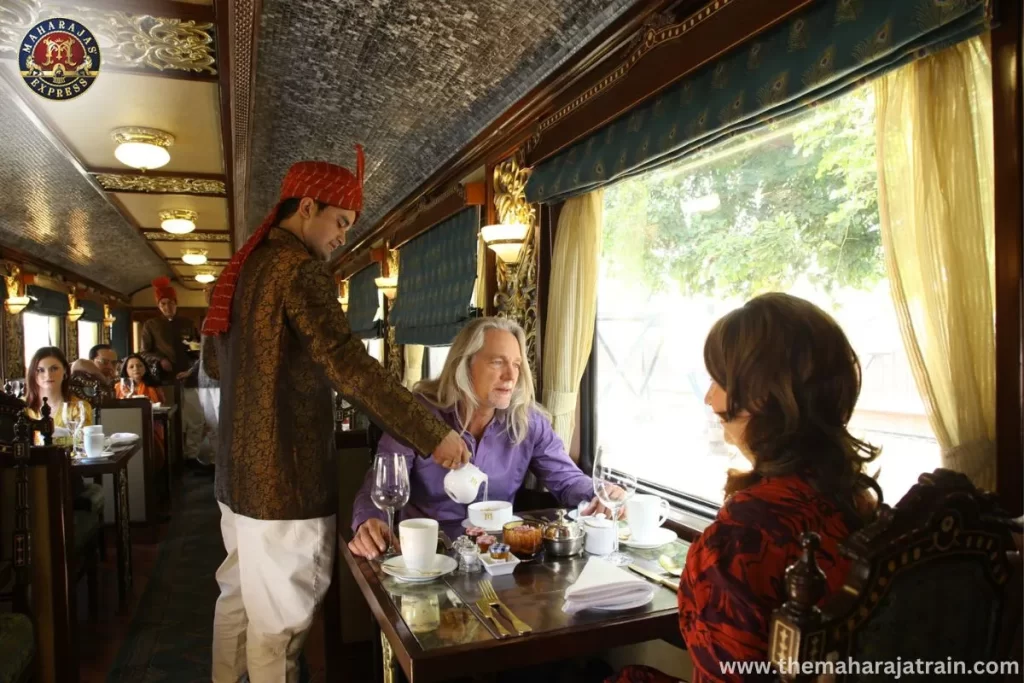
(59, 59)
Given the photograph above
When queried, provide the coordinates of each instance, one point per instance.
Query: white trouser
(192, 423)
(271, 583)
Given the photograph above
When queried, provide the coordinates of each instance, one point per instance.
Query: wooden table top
(108, 465)
(427, 624)
(165, 410)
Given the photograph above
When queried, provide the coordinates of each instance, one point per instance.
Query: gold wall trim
(160, 236)
(655, 32)
(113, 182)
(516, 297)
(129, 41)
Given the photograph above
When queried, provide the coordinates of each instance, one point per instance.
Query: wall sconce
(16, 300)
(108, 319)
(505, 240)
(75, 311)
(343, 295)
(387, 283)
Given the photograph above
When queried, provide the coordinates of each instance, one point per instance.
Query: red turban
(333, 185)
(162, 289)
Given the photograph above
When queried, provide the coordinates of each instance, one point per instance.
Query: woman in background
(49, 377)
(785, 381)
(145, 385)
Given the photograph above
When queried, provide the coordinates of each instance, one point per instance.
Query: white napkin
(602, 584)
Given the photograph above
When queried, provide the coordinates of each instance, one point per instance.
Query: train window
(789, 208)
(436, 356)
(40, 331)
(88, 337)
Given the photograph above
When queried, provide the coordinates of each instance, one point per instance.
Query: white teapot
(463, 485)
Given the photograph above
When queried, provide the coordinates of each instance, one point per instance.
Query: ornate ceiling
(412, 80)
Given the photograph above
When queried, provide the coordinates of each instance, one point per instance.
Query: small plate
(499, 567)
(662, 537)
(90, 461)
(496, 530)
(395, 567)
(639, 602)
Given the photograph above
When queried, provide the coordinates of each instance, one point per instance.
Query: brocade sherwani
(289, 343)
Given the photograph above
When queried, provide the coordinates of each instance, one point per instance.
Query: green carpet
(172, 631)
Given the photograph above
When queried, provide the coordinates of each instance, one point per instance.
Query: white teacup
(463, 485)
(94, 442)
(418, 538)
(646, 514)
(92, 429)
(490, 514)
(600, 539)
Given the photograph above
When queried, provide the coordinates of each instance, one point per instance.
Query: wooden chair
(17, 634)
(933, 579)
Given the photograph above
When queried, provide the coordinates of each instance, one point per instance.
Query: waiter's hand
(183, 375)
(452, 453)
(371, 539)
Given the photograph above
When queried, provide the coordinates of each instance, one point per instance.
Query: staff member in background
(278, 341)
(166, 341)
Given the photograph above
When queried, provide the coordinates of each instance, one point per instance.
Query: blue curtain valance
(436, 275)
(363, 303)
(121, 331)
(93, 312)
(47, 302)
(830, 48)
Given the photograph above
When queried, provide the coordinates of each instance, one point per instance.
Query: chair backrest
(929, 580)
(135, 416)
(92, 389)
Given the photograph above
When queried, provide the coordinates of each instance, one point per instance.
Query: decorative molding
(143, 42)
(516, 297)
(14, 346)
(243, 21)
(394, 358)
(210, 262)
(161, 236)
(160, 184)
(656, 31)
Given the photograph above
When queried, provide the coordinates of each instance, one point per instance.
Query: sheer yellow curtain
(934, 137)
(572, 307)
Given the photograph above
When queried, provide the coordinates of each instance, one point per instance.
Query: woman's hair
(33, 395)
(454, 387)
(790, 366)
(147, 376)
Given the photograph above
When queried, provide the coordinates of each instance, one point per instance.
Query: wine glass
(73, 415)
(127, 387)
(390, 491)
(613, 488)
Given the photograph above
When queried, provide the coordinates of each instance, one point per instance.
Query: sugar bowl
(563, 538)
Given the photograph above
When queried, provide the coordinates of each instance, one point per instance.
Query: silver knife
(672, 585)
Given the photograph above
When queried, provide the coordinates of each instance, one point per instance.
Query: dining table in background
(116, 465)
(435, 631)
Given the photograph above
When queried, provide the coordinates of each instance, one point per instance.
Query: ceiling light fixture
(178, 221)
(194, 257)
(205, 278)
(142, 148)
(505, 240)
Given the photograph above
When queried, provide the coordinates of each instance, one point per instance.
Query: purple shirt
(505, 464)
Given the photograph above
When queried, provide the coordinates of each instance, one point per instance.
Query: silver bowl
(564, 547)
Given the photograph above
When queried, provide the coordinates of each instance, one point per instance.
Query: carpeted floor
(170, 635)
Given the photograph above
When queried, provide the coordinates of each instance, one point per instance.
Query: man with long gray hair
(485, 392)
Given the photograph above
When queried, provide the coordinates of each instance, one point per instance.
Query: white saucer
(496, 530)
(396, 567)
(663, 537)
(639, 602)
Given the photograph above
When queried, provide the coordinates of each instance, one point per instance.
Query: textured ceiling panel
(412, 80)
(49, 210)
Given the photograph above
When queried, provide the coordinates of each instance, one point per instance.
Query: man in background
(167, 342)
(102, 363)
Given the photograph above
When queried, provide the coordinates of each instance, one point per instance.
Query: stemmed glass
(73, 416)
(613, 488)
(390, 491)
(127, 387)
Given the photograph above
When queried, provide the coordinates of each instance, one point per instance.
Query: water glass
(127, 387)
(390, 491)
(613, 488)
(73, 414)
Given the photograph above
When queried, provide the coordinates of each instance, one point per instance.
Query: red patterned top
(735, 571)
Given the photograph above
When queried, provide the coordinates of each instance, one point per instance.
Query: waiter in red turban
(278, 342)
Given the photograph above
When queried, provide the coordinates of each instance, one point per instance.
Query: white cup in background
(646, 514)
(418, 538)
(94, 444)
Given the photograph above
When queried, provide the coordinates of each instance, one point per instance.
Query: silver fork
(487, 591)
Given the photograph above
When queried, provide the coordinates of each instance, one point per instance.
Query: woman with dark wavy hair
(785, 382)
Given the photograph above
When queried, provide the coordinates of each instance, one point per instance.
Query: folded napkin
(602, 584)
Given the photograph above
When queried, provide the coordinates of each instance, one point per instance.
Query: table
(434, 631)
(116, 466)
(168, 415)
